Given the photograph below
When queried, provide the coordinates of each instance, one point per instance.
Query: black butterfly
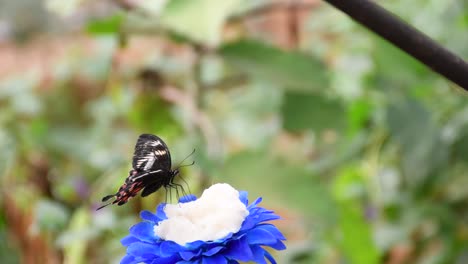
(151, 170)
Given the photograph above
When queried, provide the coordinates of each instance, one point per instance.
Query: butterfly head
(175, 172)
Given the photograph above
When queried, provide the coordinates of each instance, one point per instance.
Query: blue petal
(169, 260)
(195, 244)
(239, 250)
(220, 240)
(218, 259)
(144, 231)
(187, 198)
(259, 255)
(269, 257)
(273, 230)
(259, 236)
(160, 211)
(266, 217)
(140, 248)
(243, 197)
(212, 251)
(278, 245)
(169, 248)
(140, 259)
(254, 204)
(254, 218)
(127, 259)
(241, 246)
(129, 240)
(249, 223)
(258, 210)
(147, 215)
(188, 255)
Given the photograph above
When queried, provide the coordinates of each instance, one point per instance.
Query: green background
(359, 148)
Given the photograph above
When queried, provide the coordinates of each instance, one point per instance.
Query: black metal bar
(407, 38)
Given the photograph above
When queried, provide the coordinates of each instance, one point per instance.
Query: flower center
(214, 215)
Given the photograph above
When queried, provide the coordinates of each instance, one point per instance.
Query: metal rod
(407, 38)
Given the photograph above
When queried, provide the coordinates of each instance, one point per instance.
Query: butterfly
(151, 171)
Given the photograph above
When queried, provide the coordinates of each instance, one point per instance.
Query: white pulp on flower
(215, 214)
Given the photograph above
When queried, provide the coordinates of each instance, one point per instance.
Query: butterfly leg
(170, 194)
(177, 192)
(176, 186)
(186, 185)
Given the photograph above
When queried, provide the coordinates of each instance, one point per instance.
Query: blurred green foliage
(361, 142)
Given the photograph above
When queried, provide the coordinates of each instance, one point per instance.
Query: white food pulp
(214, 215)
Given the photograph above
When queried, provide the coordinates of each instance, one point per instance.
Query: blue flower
(145, 246)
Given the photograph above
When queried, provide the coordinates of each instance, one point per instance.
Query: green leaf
(404, 69)
(349, 189)
(309, 111)
(105, 26)
(50, 215)
(143, 117)
(8, 251)
(359, 112)
(273, 178)
(461, 148)
(75, 247)
(357, 240)
(199, 20)
(63, 8)
(458, 127)
(349, 185)
(413, 128)
(292, 70)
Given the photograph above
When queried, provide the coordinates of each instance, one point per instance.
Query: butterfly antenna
(186, 165)
(180, 164)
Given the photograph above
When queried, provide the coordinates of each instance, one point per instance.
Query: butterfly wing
(126, 191)
(151, 170)
(151, 188)
(151, 154)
